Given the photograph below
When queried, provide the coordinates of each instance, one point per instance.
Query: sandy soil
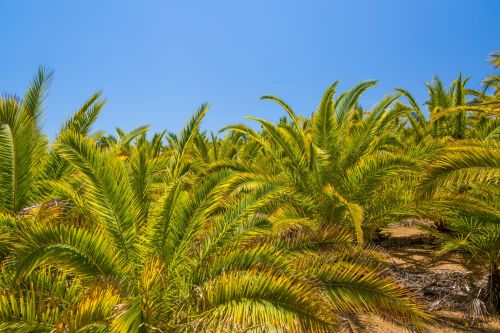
(411, 253)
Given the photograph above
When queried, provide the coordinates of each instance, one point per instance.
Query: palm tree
(176, 268)
(455, 113)
(22, 145)
(341, 167)
(461, 188)
(493, 80)
(138, 236)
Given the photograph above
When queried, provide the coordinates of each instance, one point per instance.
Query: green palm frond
(229, 302)
(348, 100)
(93, 312)
(289, 111)
(187, 136)
(21, 146)
(352, 288)
(108, 190)
(76, 250)
(23, 312)
(323, 120)
(54, 167)
(466, 165)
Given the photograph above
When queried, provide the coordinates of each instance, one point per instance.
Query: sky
(158, 61)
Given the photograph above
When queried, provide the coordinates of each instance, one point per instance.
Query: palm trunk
(441, 227)
(494, 287)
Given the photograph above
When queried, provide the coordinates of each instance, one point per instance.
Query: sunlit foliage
(266, 230)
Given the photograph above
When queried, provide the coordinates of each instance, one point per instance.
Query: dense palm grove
(272, 230)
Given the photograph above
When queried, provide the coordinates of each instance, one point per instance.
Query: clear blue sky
(157, 61)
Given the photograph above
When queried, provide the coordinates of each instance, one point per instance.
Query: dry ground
(444, 283)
